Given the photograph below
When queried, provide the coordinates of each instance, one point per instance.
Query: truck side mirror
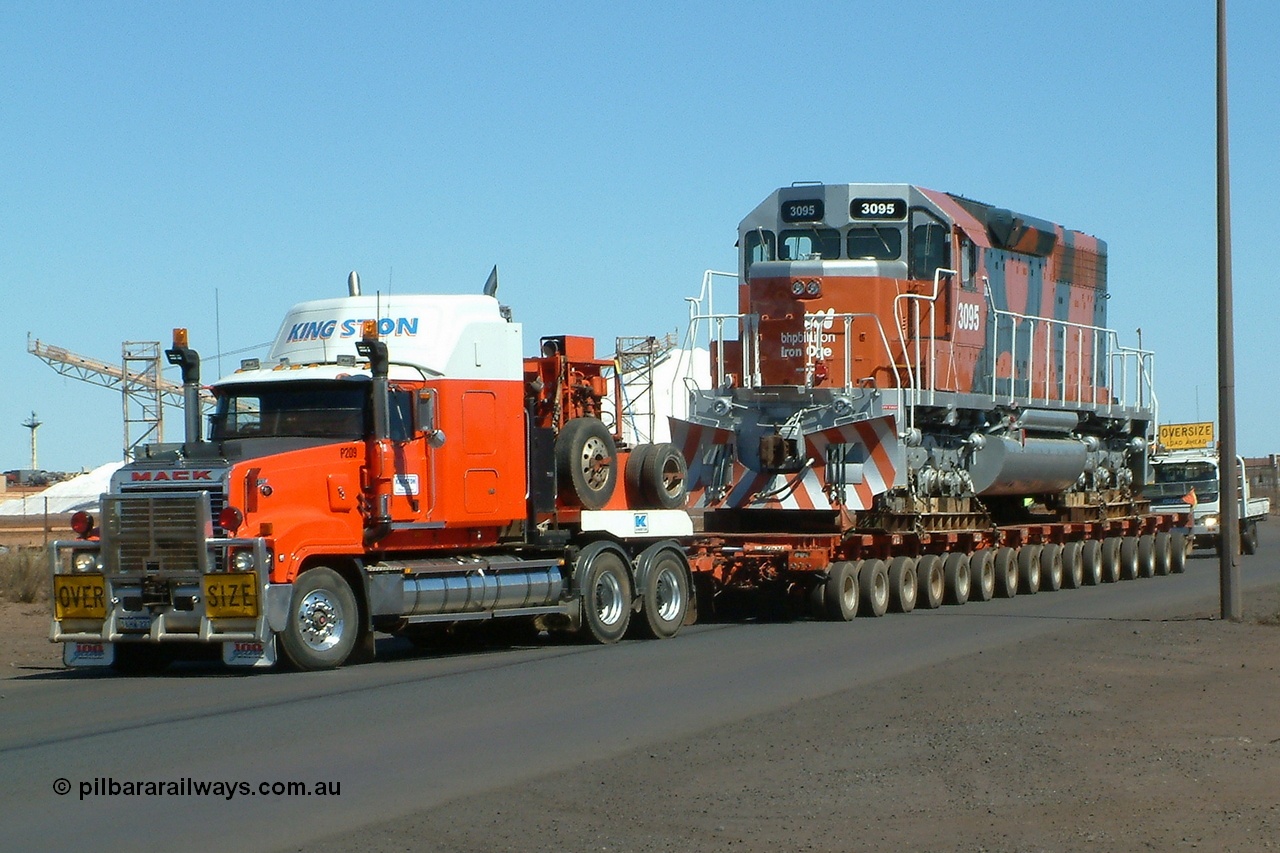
(426, 411)
(426, 415)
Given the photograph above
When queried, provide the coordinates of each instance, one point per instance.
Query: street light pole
(1228, 492)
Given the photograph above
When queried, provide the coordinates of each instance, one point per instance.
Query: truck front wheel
(1249, 539)
(323, 621)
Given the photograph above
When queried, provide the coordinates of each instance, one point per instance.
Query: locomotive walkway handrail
(1119, 362)
(1127, 379)
(715, 343)
(914, 369)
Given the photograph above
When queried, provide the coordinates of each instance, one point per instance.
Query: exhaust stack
(353, 283)
(188, 359)
(381, 458)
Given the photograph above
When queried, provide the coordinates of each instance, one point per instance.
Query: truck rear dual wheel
(587, 461)
(956, 569)
(602, 579)
(1006, 565)
(664, 591)
(982, 575)
(323, 621)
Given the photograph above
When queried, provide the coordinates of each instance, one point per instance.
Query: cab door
(410, 488)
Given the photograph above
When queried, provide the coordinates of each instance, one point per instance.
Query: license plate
(134, 624)
(79, 597)
(231, 596)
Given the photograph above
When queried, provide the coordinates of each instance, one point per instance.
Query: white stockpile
(71, 495)
(672, 377)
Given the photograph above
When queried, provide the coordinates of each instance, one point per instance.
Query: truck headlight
(242, 561)
(1210, 521)
(84, 561)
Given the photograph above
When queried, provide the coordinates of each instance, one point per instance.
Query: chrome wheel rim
(609, 599)
(320, 620)
(595, 463)
(670, 600)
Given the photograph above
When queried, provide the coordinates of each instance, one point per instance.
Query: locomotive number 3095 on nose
(878, 208)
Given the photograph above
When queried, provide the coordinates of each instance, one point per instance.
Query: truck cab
(395, 465)
(1190, 480)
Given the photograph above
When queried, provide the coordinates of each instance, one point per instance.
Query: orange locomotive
(925, 386)
(394, 465)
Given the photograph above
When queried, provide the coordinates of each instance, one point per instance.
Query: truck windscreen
(1176, 479)
(337, 410)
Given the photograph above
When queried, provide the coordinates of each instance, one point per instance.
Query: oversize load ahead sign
(1186, 436)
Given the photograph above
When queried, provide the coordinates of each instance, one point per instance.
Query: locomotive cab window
(806, 243)
(930, 245)
(968, 264)
(758, 245)
(874, 243)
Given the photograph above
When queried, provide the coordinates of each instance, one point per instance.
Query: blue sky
(601, 155)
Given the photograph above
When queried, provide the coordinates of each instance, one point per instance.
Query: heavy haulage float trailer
(922, 403)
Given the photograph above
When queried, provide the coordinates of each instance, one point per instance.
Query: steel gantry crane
(143, 390)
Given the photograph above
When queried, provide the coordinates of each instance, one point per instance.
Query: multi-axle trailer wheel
(978, 568)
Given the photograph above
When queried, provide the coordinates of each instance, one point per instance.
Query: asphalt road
(413, 732)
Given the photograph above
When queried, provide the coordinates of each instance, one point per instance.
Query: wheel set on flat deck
(870, 587)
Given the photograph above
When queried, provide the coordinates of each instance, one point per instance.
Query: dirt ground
(1111, 736)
